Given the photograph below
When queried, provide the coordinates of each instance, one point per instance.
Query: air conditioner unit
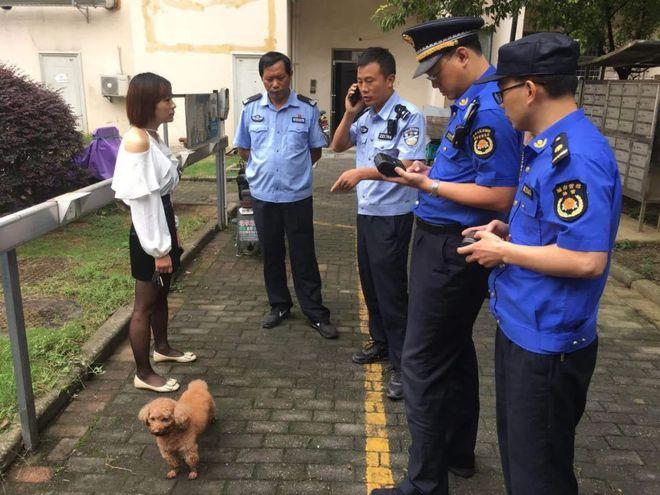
(116, 85)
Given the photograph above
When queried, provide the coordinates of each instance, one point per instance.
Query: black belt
(167, 201)
(454, 228)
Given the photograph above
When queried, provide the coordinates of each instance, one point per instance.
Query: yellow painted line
(377, 449)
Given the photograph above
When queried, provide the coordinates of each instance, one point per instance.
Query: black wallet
(387, 164)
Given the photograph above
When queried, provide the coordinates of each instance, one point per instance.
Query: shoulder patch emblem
(257, 118)
(364, 129)
(559, 149)
(251, 98)
(411, 136)
(570, 200)
(307, 100)
(483, 142)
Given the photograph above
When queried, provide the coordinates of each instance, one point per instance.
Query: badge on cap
(570, 200)
(560, 148)
(411, 136)
(483, 142)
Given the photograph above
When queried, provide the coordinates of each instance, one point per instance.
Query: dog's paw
(171, 474)
(192, 475)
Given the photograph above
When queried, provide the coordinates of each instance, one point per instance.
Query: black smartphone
(157, 279)
(355, 97)
(387, 164)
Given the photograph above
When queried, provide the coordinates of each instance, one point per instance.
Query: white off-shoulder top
(140, 179)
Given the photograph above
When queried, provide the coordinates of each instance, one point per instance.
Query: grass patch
(642, 257)
(206, 167)
(97, 277)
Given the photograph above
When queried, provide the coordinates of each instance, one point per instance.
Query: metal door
(247, 81)
(62, 72)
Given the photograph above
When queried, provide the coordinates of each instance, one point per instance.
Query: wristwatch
(434, 188)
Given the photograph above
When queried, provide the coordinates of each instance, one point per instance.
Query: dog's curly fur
(178, 424)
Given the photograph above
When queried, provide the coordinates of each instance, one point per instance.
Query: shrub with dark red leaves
(38, 140)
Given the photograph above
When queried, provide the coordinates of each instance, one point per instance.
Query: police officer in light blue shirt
(280, 137)
(392, 126)
(473, 176)
(551, 263)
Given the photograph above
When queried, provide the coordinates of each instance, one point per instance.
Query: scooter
(247, 239)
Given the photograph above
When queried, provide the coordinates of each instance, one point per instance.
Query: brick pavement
(292, 406)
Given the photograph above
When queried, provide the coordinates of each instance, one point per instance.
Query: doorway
(247, 82)
(344, 73)
(63, 73)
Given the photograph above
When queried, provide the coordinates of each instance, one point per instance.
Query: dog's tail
(198, 385)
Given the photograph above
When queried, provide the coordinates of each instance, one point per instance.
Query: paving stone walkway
(297, 417)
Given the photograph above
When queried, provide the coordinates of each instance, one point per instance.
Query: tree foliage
(38, 139)
(601, 25)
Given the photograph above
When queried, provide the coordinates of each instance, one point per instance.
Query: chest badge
(257, 118)
(540, 143)
(411, 136)
(385, 136)
(364, 129)
(299, 119)
(528, 191)
(483, 142)
(570, 200)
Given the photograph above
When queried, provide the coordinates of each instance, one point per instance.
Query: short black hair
(271, 58)
(381, 56)
(556, 86)
(473, 44)
(144, 92)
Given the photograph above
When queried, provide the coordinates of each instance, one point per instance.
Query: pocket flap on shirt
(529, 205)
(447, 150)
(258, 127)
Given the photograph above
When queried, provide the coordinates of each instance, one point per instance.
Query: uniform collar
(545, 138)
(387, 108)
(469, 95)
(291, 102)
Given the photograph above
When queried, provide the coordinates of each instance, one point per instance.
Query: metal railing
(28, 224)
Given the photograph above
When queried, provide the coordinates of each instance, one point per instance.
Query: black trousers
(382, 253)
(540, 400)
(440, 375)
(295, 220)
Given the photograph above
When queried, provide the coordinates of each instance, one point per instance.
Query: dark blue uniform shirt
(489, 156)
(576, 204)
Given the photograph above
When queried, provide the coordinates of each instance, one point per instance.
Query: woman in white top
(145, 174)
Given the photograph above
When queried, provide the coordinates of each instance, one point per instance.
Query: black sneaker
(372, 352)
(463, 472)
(395, 386)
(275, 317)
(327, 330)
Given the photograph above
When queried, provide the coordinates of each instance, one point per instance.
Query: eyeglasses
(499, 95)
(433, 77)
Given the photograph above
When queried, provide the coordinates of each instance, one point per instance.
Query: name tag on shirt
(384, 136)
(298, 120)
(528, 191)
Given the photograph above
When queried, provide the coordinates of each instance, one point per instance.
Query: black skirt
(143, 265)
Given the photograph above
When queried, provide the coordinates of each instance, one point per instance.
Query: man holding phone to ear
(395, 128)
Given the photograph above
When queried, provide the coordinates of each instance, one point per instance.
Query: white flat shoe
(170, 386)
(188, 357)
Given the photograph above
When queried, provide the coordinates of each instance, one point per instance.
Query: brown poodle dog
(178, 424)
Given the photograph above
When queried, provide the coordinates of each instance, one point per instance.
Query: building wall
(318, 26)
(190, 42)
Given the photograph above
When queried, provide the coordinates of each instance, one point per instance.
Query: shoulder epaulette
(401, 111)
(251, 98)
(560, 149)
(307, 100)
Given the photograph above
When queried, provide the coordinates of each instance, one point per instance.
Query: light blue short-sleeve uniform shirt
(405, 140)
(280, 167)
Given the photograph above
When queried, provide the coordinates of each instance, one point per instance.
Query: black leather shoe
(327, 330)
(463, 472)
(386, 491)
(275, 317)
(372, 352)
(395, 386)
